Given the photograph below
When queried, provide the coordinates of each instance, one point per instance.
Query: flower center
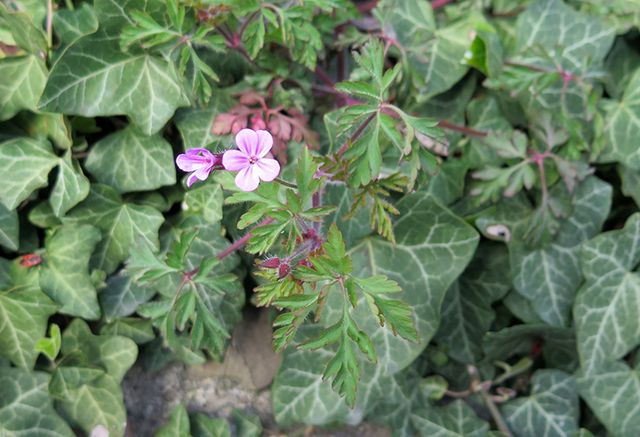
(253, 160)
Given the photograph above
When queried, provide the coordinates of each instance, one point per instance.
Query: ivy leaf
(25, 406)
(622, 127)
(613, 393)
(549, 276)
(122, 296)
(552, 408)
(128, 160)
(90, 374)
(558, 344)
(555, 26)
(24, 79)
(203, 426)
(605, 307)
(138, 330)
(26, 164)
(71, 186)
(70, 25)
(466, 311)
(122, 224)
(456, 419)
(24, 31)
(413, 263)
(205, 200)
(9, 229)
(24, 311)
(65, 277)
(178, 424)
(94, 78)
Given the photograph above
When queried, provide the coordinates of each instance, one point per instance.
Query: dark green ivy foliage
(454, 253)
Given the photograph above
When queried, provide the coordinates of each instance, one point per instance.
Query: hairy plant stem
(355, 135)
(444, 124)
(286, 184)
(49, 23)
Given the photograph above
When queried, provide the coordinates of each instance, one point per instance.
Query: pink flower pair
(250, 160)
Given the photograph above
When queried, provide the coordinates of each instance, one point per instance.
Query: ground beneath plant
(241, 381)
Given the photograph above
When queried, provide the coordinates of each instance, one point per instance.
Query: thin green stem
(49, 23)
(69, 4)
(286, 184)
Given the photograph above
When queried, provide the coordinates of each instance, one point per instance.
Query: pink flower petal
(191, 179)
(188, 162)
(234, 160)
(202, 173)
(265, 142)
(247, 179)
(247, 142)
(267, 169)
(198, 150)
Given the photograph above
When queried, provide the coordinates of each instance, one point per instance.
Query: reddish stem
(435, 4)
(241, 242)
(463, 129)
(324, 76)
(355, 135)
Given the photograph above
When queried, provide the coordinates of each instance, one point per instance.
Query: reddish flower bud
(305, 262)
(30, 260)
(271, 263)
(283, 270)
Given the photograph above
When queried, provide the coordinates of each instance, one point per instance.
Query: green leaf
(65, 277)
(122, 296)
(70, 25)
(138, 330)
(122, 224)
(456, 419)
(622, 127)
(50, 346)
(71, 186)
(178, 424)
(25, 407)
(9, 229)
(574, 36)
(433, 248)
(54, 127)
(203, 426)
(466, 311)
(558, 344)
(24, 311)
(26, 164)
(550, 276)
(128, 160)
(248, 425)
(613, 393)
(205, 200)
(195, 124)
(552, 409)
(90, 375)
(24, 31)
(606, 306)
(23, 83)
(93, 78)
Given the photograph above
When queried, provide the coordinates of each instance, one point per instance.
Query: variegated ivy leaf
(622, 127)
(551, 410)
(24, 311)
(549, 276)
(129, 160)
(455, 419)
(195, 124)
(575, 37)
(9, 228)
(466, 311)
(607, 306)
(70, 25)
(65, 275)
(23, 80)
(90, 373)
(205, 200)
(25, 166)
(71, 186)
(26, 410)
(178, 424)
(121, 223)
(122, 296)
(613, 393)
(94, 78)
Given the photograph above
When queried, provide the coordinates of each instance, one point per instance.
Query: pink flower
(250, 161)
(200, 162)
